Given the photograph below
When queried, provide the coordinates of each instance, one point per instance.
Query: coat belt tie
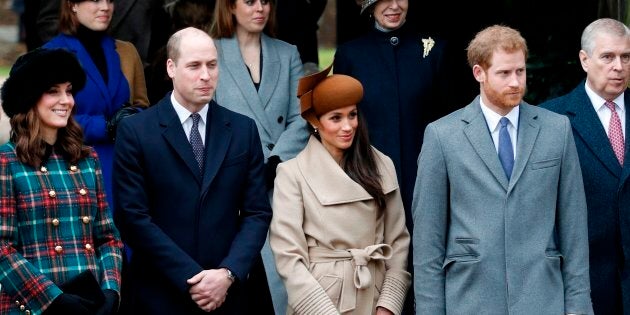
(356, 259)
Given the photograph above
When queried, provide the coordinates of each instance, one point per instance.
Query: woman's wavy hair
(30, 146)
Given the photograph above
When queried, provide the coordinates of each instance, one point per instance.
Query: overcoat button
(280, 119)
(52, 194)
(55, 222)
(86, 219)
(58, 249)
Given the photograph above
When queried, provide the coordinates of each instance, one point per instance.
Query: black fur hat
(34, 73)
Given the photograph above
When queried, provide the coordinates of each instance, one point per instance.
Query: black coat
(178, 222)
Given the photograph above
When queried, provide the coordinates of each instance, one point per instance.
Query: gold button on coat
(86, 219)
(52, 194)
(88, 246)
(17, 303)
(58, 248)
(27, 312)
(43, 169)
(82, 192)
(55, 222)
(22, 308)
(73, 168)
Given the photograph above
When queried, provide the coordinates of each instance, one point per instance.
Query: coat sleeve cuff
(394, 290)
(315, 302)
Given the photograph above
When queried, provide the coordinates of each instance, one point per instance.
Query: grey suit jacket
(484, 244)
(275, 106)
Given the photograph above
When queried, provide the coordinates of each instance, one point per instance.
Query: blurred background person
(259, 77)
(298, 25)
(115, 86)
(598, 113)
(181, 14)
(56, 229)
(338, 229)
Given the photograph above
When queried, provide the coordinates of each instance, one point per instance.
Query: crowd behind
(222, 172)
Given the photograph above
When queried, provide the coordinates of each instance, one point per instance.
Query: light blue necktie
(506, 153)
(195, 140)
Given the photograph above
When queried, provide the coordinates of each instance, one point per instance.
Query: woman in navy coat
(401, 74)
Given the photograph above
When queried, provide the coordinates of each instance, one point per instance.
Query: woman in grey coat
(259, 77)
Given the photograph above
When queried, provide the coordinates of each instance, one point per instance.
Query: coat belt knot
(360, 276)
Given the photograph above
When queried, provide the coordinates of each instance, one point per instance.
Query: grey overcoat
(484, 244)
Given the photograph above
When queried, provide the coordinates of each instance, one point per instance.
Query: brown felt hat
(320, 94)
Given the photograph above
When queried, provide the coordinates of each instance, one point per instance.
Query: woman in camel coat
(338, 232)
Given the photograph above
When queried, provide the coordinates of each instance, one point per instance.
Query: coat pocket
(229, 161)
(545, 164)
(332, 286)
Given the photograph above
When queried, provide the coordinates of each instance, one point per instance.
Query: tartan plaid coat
(54, 224)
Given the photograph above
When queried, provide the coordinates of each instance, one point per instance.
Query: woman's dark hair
(359, 162)
(224, 24)
(30, 147)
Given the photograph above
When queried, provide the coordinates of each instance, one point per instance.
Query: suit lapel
(586, 123)
(218, 136)
(270, 71)
(479, 136)
(528, 129)
(236, 68)
(174, 134)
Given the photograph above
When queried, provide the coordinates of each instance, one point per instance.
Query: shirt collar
(183, 113)
(598, 101)
(492, 118)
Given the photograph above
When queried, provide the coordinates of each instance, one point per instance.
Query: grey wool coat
(275, 106)
(484, 244)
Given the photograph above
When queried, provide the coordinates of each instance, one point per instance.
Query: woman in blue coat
(83, 26)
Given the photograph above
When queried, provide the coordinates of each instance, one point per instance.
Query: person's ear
(479, 73)
(584, 60)
(170, 68)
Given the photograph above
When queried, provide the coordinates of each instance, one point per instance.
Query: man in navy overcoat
(605, 57)
(190, 195)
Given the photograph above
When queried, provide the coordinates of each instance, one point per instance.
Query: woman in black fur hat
(60, 252)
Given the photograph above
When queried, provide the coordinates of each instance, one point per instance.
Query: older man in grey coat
(499, 209)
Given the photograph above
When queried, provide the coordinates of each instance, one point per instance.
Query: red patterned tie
(615, 134)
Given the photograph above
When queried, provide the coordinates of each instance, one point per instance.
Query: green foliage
(4, 72)
(326, 56)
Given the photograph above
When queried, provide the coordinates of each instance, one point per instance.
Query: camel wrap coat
(335, 250)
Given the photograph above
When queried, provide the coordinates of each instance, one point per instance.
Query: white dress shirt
(186, 120)
(492, 119)
(604, 113)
